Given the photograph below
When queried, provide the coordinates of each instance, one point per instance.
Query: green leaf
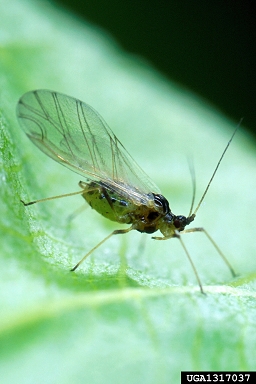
(133, 311)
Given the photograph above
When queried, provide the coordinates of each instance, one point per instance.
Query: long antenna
(193, 179)
(217, 166)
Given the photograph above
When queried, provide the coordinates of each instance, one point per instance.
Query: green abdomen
(108, 203)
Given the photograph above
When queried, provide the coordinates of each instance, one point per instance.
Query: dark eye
(180, 222)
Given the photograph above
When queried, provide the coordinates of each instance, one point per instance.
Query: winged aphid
(76, 136)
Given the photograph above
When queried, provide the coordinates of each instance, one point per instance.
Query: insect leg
(81, 184)
(116, 232)
(177, 234)
(51, 198)
(200, 229)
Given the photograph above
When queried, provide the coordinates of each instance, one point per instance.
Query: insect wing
(75, 135)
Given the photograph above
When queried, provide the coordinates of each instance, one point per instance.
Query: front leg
(201, 229)
(175, 234)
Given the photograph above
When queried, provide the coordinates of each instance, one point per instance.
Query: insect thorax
(122, 209)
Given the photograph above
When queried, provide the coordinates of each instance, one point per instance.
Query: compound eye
(176, 223)
(180, 222)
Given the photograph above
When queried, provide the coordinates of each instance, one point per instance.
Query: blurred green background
(127, 314)
(208, 46)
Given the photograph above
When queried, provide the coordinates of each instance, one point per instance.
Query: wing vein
(75, 135)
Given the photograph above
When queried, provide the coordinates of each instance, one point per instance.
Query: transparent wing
(75, 135)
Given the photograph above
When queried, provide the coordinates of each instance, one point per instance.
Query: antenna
(216, 168)
(193, 179)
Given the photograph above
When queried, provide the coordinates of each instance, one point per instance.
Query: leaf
(132, 312)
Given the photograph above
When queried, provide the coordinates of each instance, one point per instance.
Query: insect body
(75, 135)
(144, 218)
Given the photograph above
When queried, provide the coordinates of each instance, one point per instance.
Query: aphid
(75, 135)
